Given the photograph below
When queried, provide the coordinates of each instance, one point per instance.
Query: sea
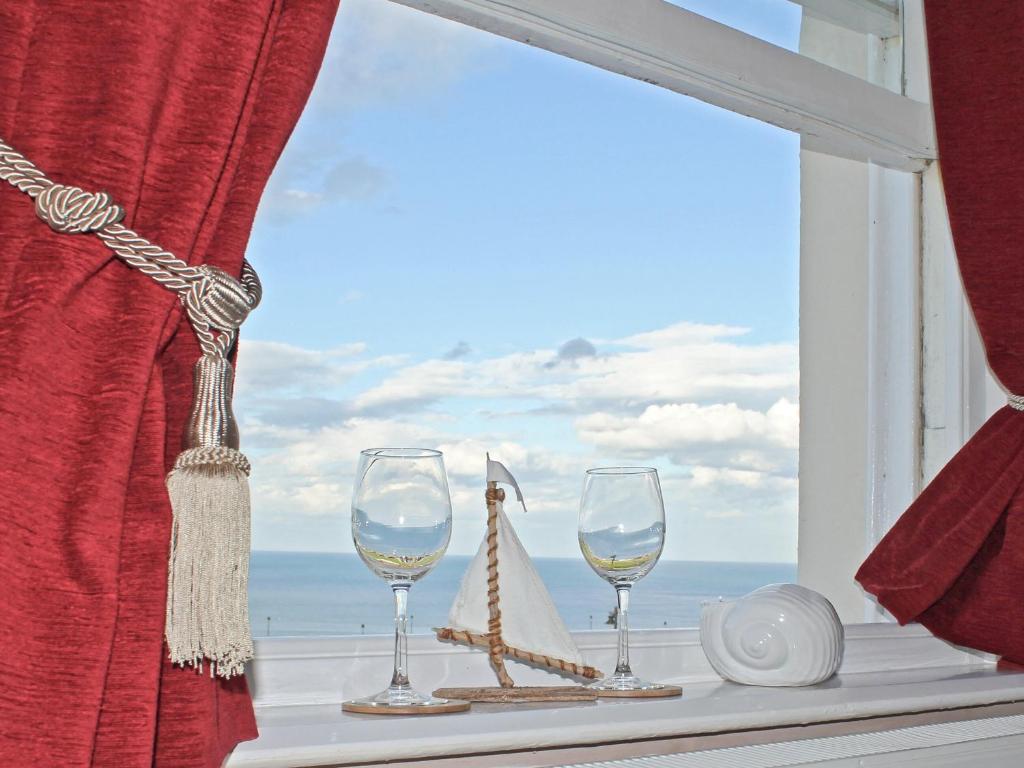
(307, 593)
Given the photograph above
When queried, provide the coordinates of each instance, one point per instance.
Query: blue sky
(474, 244)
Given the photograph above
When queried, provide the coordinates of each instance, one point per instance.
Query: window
(860, 241)
(521, 253)
(876, 280)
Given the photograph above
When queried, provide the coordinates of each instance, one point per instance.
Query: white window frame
(918, 385)
(661, 43)
(860, 329)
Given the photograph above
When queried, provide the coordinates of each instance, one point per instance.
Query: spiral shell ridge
(778, 635)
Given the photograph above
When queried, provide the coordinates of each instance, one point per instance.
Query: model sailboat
(503, 606)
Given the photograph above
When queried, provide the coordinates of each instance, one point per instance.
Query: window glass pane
(774, 21)
(475, 245)
(844, 35)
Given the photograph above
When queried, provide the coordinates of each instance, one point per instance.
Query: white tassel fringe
(207, 600)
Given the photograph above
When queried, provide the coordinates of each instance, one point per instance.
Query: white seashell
(780, 635)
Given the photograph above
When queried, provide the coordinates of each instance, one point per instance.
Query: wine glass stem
(622, 622)
(400, 678)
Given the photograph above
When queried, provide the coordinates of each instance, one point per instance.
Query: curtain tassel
(207, 600)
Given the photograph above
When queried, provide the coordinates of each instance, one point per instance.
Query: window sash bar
(668, 46)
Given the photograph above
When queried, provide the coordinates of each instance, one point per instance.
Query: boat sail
(503, 604)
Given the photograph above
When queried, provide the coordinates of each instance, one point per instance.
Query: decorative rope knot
(1015, 401)
(224, 301)
(73, 210)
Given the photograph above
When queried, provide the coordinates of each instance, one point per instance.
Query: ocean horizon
(324, 593)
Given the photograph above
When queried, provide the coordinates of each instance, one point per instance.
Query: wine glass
(622, 533)
(401, 525)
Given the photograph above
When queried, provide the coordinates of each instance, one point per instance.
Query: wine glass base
(631, 686)
(404, 701)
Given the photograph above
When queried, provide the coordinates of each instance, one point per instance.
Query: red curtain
(955, 560)
(179, 110)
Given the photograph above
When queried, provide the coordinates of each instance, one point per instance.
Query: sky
(475, 245)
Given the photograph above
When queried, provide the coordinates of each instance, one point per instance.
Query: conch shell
(779, 635)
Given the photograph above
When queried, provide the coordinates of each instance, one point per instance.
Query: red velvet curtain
(179, 110)
(955, 560)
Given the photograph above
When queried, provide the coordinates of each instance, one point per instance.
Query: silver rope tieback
(1015, 401)
(207, 608)
(214, 300)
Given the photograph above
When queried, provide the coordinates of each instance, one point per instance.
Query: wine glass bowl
(401, 526)
(622, 522)
(622, 535)
(401, 512)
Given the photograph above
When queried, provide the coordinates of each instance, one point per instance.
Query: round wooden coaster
(452, 705)
(664, 691)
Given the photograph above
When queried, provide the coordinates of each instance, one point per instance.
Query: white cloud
(417, 385)
(272, 366)
(459, 350)
(313, 173)
(681, 363)
(281, 202)
(308, 473)
(691, 433)
(704, 477)
(354, 178)
(682, 333)
(382, 53)
(572, 351)
(731, 449)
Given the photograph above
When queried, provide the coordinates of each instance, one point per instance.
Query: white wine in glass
(401, 525)
(622, 533)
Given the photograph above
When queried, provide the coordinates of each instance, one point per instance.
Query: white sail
(529, 619)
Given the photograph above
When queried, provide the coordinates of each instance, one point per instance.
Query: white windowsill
(299, 683)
